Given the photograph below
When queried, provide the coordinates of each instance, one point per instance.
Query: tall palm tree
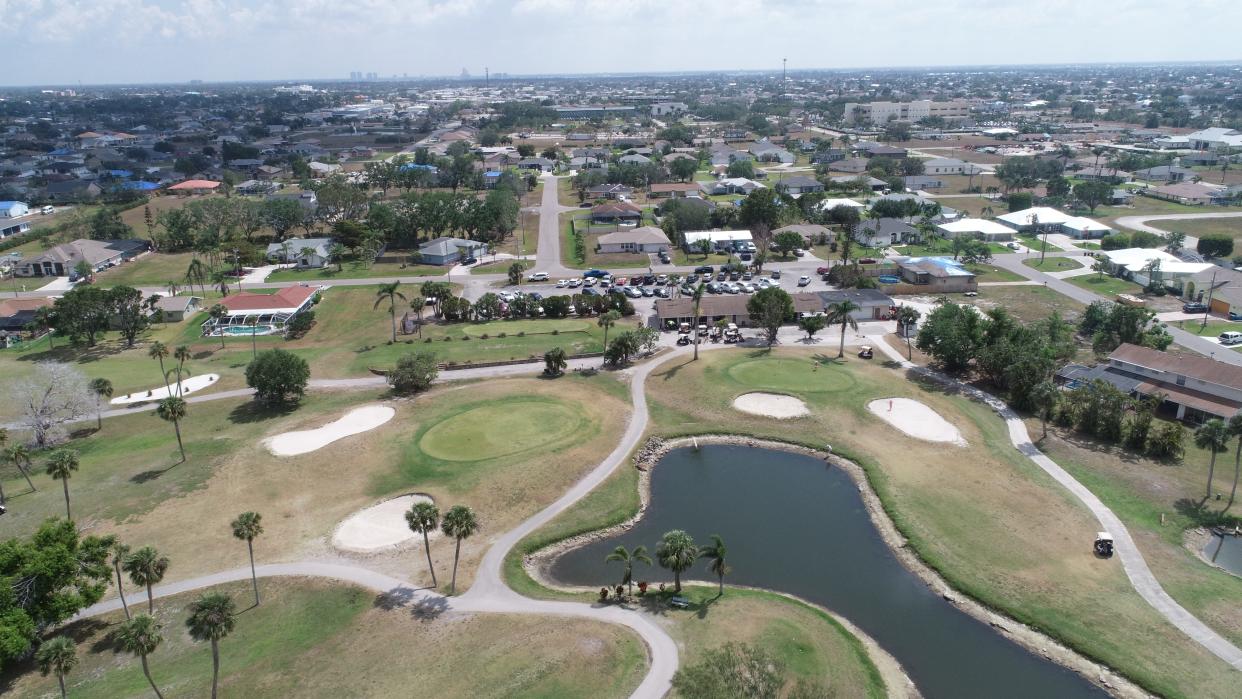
(627, 559)
(907, 316)
(697, 296)
(218, 313)
(715, 553)
(1235, 430)
(57, 656)
(182, 354)
(606, 320)
(141, 636)
(247, 527)
(197, 273)
(60, 466)
(158, 351)
(212, 617)
(173, 409)
(459, 523)
(1212, 435)
(146, 567)
(119, 553)
(417, 304)
(19, 454)
(676, 552)
(102, 388)
(423, 518)
(841, 313)
(389, 292)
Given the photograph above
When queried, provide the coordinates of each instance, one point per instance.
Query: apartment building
(883, 112)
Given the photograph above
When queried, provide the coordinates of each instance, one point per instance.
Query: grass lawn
(594, 259)
(943, 249)
(1198, 228)
(991, 273)
(1028, 303)
(1105, 286)
(151, 269)
(1053, 264)
(358, 270)
(1214, 327)
(312, 638)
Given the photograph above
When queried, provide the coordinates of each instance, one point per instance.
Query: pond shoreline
(538, 564)
(1195, 540)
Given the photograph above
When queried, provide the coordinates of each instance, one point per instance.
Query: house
(674, 189)
(445, 251)
(731, 185)
(916, 183)
(268, 172)
(1036, 218)
(940, 274)
(13, 209)
(830, 204)
(540, 164)
(174, 309)
(641, 239)
(265, 313)
(1083, 228)
(1195, 193)
(1141, 264)
(829, 155)
(725, 155)
(882, 232)
(978, 228)
(634, 159)
(72, 190)
(863, 181)
(255, 187)
(797, 185)
(8, 228)
(62, 260)
(16, 314)
(1121, 197)
(319, 169)
(195, 187)
(610, 191)
(812, 233)
(855, 165)
(766, 151)
(618, 213)
(1215, 138)
(1190, 387)
(873, 304)
(950, 166)
(1164, 173)
(721, 241)
(667, 108)
(302, 252)
(880, 150)
(1106, 174)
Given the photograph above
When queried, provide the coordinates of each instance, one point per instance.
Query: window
(1181, 380)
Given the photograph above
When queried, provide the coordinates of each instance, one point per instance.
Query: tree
(1044, 398)
(677, 553)
(414, 372)
(278, 377)
(119, 552)
(218, 313)
(515, 272)
(173, 409)
(1215, 245)
(715, 554)
(54, 395)
(770, 308)
(951, 335)
(19, 455)
(1175, 242)
(57, 656)
(627, 558)
(247, 527)
(554, 362)
(606, 320)
(788, 241)
(907, 319)
(733, 670)
(141, 636)
(47, 578)
(843, 313)
(698, 297)
(1019, 201)
(1213, 436)
(212, 617)
(1235, 430)
(459, 523)
(197, 273)
(60, 466)
(83, 313)
(281, 215)
(1093, 193)
(812, 324)
(683, 168)
(102, 388)
(128, 315)
(741, 168)
(389, 291)
(423, 518)
(146, 568)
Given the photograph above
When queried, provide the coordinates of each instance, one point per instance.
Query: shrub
(556, 331)
(485, 336)
(1215, 245)
(465, 338)
(414, 372)
(447, 338)
(278, 376)
(502, 334)
(522, 333)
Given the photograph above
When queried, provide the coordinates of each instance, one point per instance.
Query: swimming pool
(248, 330)
(888, 279)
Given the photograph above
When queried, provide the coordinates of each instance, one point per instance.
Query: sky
(67, 42)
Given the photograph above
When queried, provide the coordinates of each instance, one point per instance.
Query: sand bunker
(916, 420)
(379, 527)
(355, 421)
(188, 385)
(770, 405)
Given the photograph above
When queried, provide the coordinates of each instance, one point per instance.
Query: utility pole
(487, 77)
(783, 61)
(1206, 311)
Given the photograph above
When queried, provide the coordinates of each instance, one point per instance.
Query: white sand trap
(355, 421)
(379, 527)
(188, 385)
(770, 405)
(916, 420)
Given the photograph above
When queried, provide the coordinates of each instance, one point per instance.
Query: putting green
(797, 375)
(501, 428)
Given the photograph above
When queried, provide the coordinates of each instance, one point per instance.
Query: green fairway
(788, 374)
(500, 429)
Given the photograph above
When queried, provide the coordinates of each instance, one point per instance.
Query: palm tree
(1235, 430)
(715, 552)
(119, 553)
(697, 296)
(60, 466)
(1043, 398)
(606, 321)
(907, 316)
(102, 388)
(57, 656)
(389, 292)
(840, 313)
(423, 518)
(417, 304)
(459, 523)
(158, 351)
(141, 636)
(676, 552)
(146, 567)
(1212, 435)
(19, 454)
(196, 273)
(212, 617)
(173, 409)
(627, 558)
(247, 527)
(181, 355)
(336, 253)
(554, 362)
(218, 313)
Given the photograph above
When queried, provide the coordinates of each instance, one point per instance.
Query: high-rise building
(355, 75)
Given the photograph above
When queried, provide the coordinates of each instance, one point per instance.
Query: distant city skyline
(92, 42)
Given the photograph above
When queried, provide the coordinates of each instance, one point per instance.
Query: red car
(619, 281)
(866, 261)
(821, 270)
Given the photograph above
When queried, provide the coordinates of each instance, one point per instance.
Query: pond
(794, 525)
(1225, 551)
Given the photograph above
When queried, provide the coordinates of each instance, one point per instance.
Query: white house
(1138, 264)
(721, 240)
(830, 204)
(976, 228)
(950, 166)
(1083, 228)
(304, 252)
(1041, 217)
(13, 209)
(641, 239)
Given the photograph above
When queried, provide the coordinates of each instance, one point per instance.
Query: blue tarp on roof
(120, 173)
(140, 186)
(60, 151)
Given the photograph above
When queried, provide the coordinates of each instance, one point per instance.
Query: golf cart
(714, 333)
(702, 330)
(1104, 545)
(683, 339)
(865, 352)
(732, 334)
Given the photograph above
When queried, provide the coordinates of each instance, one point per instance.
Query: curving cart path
(1141, 577)
(1139, 223)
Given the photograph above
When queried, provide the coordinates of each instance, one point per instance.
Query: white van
(47, 210)
(1231, 337)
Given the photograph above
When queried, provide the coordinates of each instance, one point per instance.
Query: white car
(573, 283)
(538, 277)
(562, 283)
(748, 288)
(804, 280)
(589, 281)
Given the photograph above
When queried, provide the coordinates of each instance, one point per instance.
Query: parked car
(747, 276)
(1234, 315)
(538, 277)
(821, 270)
(661, 279)
(721, 276)
(591, 292)
(647, 291)
(573, 283)
(804, 280)
(776, 274)
(703, 269)
(663, 292)
(633, 292)
(1231, 337)
(470, 260)
(595, 273)
(867, 261)
(1193, 307)
(46, 210)
(562, 283)
(621, 281)
(589, 282)
(665, 258)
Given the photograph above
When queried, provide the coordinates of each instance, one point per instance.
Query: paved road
(1139, 223)
(1141, 577)
(548, 254)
